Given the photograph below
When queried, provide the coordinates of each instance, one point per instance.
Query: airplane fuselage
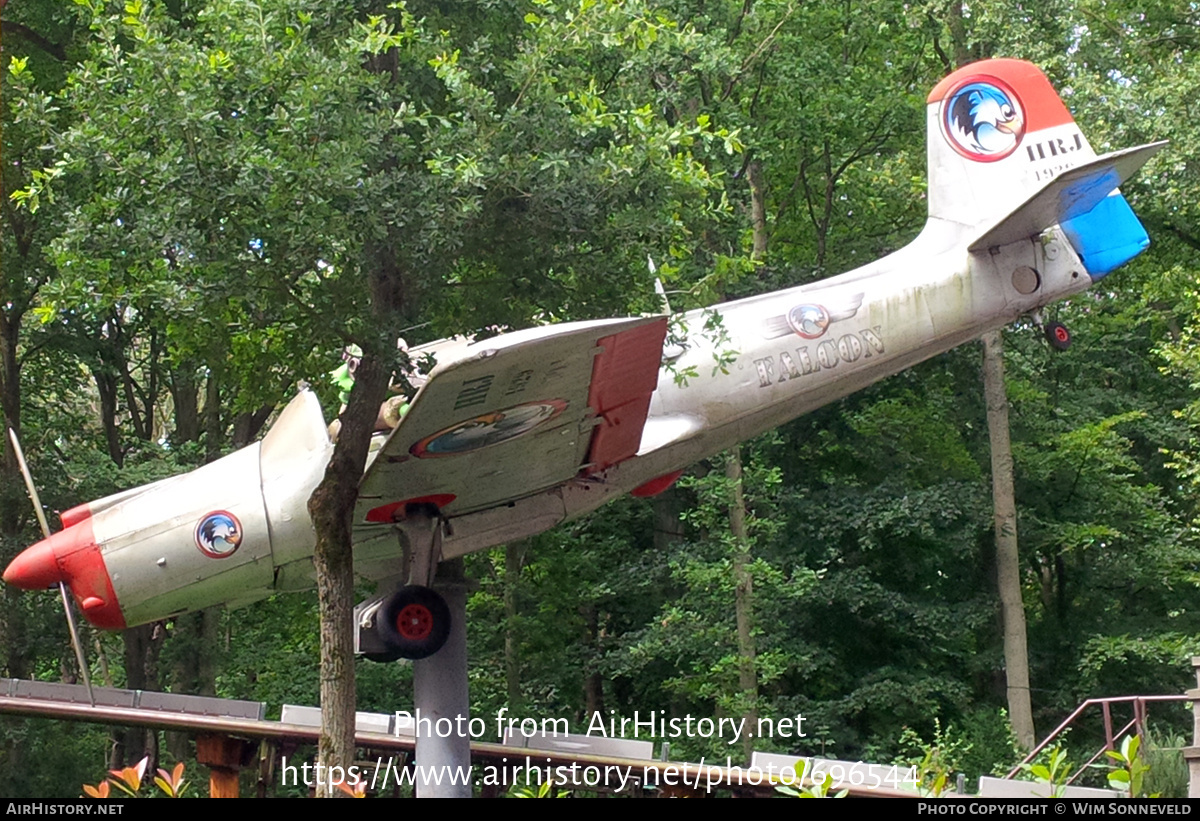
(844, 333)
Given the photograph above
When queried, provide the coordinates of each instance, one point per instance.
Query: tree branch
(55, 50)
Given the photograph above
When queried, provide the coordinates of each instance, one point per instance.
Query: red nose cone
(70, 556)
(36, 568)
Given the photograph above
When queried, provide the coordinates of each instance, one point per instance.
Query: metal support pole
(440, 695)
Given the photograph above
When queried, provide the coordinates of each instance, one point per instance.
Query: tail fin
(1006, 160)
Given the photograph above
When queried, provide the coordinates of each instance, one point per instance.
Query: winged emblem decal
(810, 320)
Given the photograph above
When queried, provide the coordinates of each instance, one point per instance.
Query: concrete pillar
(440, 692)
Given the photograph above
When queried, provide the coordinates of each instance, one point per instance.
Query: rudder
(997, 132)
(1006, 161)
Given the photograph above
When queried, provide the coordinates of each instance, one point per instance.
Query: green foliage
(1051, 768)
(42, 758)
(273, 652)
(989, 745)
(815, 790)
(693, 637)
(1130, 768)
(544, 790)
(1167, 773)
(937, 761)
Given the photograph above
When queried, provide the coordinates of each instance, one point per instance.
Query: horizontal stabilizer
(1070, 194)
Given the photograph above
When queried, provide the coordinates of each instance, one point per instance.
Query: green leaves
(818, 789)
(1052, 768)
(1131, 769)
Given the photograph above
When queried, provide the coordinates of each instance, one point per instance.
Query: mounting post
(440, 693)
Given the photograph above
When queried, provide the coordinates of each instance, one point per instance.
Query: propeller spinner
(56, 560)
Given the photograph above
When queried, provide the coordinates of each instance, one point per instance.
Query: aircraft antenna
(658, 286)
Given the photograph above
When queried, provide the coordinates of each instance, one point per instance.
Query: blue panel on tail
(1107, 237)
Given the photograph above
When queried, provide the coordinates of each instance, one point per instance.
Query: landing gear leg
(414, 621)
(430, 627)
(440, 692)
(1056, 333)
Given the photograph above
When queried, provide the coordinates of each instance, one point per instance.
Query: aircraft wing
(1073, 192)
(503, 418)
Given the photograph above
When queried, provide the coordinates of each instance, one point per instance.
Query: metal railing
(1137, 724)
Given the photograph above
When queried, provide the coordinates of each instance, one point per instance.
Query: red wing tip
(394, 512)
(656, 486)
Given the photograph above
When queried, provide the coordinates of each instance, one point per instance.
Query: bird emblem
(983, 121)
(219, 534)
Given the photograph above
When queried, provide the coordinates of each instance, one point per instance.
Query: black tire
(414, 622)
(1057, 335)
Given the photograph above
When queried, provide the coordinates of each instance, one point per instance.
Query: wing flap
(624, 377)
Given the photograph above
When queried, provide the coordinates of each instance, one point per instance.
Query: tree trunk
(743, 597)
(213, 428)
(187, 404)
(743, 580)
(514, 558)
(1008, 563)
(1008, 567)
(668, 526)
(956, 22)
(593, 682)
(331, 507)
(13, 501)
(142, 647)
(758, 209)
(332, 503)
(246, 425)
(195, 671)
(106, 386)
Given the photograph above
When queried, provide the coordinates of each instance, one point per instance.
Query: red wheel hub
(414, 622)
(1061, 334)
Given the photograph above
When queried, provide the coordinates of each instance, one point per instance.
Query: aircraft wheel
(415, 622)
(1057, 335)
